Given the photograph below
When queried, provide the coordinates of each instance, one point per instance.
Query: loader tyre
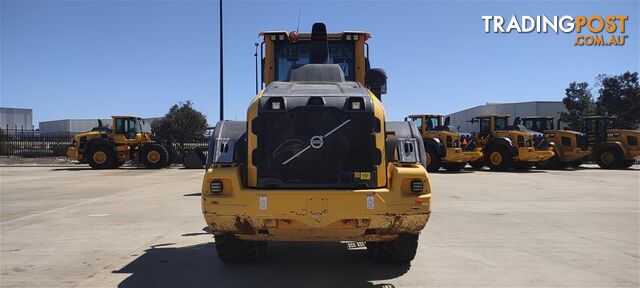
(101, 157)
(522, 166)
(549, 164)
(454, 167)
(154, 156)
(231, 249)
(628, 163)
(610, 158)
(498, 159)
(433, 160)
(400, 250)
(477, 164)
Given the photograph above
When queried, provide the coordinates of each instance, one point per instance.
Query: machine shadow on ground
(288, 264)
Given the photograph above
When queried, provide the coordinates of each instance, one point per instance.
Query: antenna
(221, 70)
(298, 27)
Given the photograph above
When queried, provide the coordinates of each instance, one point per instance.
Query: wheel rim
(428, 159)
(99, 157)
(606, 157)
(495, 158)
(153, 157)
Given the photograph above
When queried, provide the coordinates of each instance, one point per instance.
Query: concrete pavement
(76, 227)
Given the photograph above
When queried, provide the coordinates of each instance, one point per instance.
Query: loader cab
(538, 123)
(127, 126)
(491, 123)
(596, 128)
(283, 51)
(426, 123)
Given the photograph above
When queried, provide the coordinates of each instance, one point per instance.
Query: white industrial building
(534, 108)
(75, 126)
(16, 118)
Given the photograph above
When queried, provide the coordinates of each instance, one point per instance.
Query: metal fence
(31, 143)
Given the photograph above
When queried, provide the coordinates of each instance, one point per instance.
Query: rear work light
(215, 187)
(416, 186)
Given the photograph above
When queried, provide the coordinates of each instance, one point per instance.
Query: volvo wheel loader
(506, 147)
(109, 147)
(612, 148)
(445, 146)
(315, 159)
(570, 147)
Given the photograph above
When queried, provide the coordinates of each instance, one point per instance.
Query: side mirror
(376, 81)
(99, 123)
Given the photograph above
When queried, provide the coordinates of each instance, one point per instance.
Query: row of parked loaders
(529, 142)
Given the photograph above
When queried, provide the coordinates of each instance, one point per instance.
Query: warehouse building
(75, 126)
(534, 108)
(16, 118)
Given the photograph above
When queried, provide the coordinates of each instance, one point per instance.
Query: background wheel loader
(612, 148)
(316, 160)
(110, 147)
(506, 147)
(445, 146)
(570, 147)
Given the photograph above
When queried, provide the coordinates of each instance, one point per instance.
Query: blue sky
(91, 59)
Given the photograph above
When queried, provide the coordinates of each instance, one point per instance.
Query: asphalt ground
(131, 227)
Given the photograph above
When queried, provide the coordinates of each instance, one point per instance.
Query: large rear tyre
(477, 164)
(101, 157)
(400, 250)
(610, 158)
(154, 156)
(433, 160)
(498, 159)
(233, 250)
(454, 167)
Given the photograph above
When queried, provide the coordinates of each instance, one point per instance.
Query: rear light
(275, 106)
(355, 105)
(416, 186)
(215, 187)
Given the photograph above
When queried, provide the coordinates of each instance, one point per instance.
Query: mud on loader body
(445, 146)
(506, 147)
(110, 147)
(570, 147)
(315, 160)
(612, 148)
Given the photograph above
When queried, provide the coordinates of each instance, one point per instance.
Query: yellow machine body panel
(316, 214)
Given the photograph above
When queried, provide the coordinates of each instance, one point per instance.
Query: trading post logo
(591, 30)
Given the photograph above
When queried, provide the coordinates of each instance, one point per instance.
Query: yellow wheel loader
(509, 147)
(570, 147)
(445, 146)
(612, 148)
(109, 147)
(315, 159)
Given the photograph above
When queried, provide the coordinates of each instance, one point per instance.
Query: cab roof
(307, 35)
(425, 115)
(536, 117)
(492, 115)
(125, 116)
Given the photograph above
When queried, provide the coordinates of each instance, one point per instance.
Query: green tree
(619, 96)
(182, 123)
(579, 103)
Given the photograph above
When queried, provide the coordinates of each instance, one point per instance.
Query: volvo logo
(316, 141)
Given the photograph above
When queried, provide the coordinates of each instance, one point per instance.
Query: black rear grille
(342, 153)
(540, 142)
